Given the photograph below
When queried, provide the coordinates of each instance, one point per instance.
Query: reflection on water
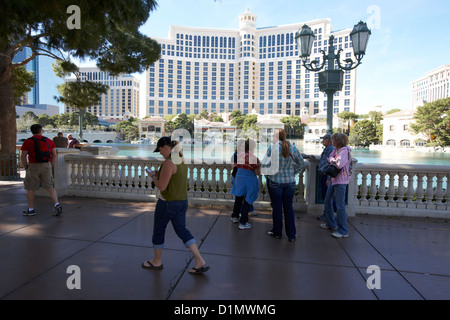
(224, 153)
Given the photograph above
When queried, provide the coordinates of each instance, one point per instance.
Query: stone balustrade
(397, 190)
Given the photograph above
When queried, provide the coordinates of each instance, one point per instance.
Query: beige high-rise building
(122, 99)
(435, 85)
(221, 70)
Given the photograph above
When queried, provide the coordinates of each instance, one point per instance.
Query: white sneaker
(253, 213)
(338, 235)
(234, 220)
(245, 226)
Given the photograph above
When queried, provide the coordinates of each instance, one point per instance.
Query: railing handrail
(403, 167)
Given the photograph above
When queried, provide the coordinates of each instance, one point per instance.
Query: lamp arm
(315, 68)
(353, 64)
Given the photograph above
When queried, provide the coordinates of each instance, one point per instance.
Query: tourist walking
(246, 184)
(172, 204)
(285, 162)
(341, 158)
(38, 157)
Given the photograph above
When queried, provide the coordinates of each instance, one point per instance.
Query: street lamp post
(331, 79)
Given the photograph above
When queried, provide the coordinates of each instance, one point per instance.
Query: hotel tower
(247, 69)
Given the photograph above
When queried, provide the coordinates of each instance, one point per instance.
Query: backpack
(40, 154)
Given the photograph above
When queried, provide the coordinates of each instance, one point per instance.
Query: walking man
(41, 154)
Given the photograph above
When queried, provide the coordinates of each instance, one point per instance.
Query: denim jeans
(281, 197)
(174, 211)
(336, 193)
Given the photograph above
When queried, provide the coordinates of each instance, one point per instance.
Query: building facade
(44, 89)
(434, 86)
(31, 97)
(397, 133)
(122, 99)
(247, 69)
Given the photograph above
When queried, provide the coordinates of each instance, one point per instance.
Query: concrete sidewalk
(108, 240)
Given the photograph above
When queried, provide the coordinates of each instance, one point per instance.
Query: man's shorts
(38, 173)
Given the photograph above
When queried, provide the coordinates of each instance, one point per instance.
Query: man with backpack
(41, 154)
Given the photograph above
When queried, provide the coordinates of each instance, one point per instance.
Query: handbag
(332, 171)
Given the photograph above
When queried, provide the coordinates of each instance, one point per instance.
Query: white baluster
(213, 193)
(401, 190)
(221, 183)
(391, 190)
(439, 195)
(72, 170)
(429, 193)
(420, 191)
(363, 190)
(122, 180)
(80, 173)
(86, 174)
(410, 190)
(382, 189)
(373, 189)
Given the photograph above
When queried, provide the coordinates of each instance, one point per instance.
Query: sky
(409, 37)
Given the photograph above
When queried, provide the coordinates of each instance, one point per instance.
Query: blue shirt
(279, 169)
(323, 158)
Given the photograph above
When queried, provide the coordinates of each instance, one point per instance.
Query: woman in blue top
(280, 165)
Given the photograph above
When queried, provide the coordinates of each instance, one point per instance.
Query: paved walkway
(108, 240)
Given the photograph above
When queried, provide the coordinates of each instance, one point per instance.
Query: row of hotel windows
(184, 46)
(230, 42)
(105, 78)
(184, 87)
(268, 108)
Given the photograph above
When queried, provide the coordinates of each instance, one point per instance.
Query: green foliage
(363, 133)
(183, 122)
(24, 81)
(294, 124)
(433, 120)
(128, 128)
(81, 94)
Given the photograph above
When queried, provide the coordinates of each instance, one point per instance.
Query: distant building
(37, 109)
(122, 99)
(434, 86)
(245, 69)
(152, 127)
(44, 90)
(316, 127)
(396, 130)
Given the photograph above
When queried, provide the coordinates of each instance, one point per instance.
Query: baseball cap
(327, 136)
(164, 141)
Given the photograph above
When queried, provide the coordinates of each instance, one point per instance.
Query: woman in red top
(246, 184)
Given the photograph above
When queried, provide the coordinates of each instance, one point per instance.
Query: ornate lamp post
(332, 80)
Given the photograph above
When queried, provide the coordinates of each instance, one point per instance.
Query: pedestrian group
(280, 165)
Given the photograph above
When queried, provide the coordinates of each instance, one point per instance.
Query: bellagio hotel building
(222, 70)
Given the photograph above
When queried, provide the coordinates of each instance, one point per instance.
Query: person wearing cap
(172, 204)
(324, 179)
(341, 158)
